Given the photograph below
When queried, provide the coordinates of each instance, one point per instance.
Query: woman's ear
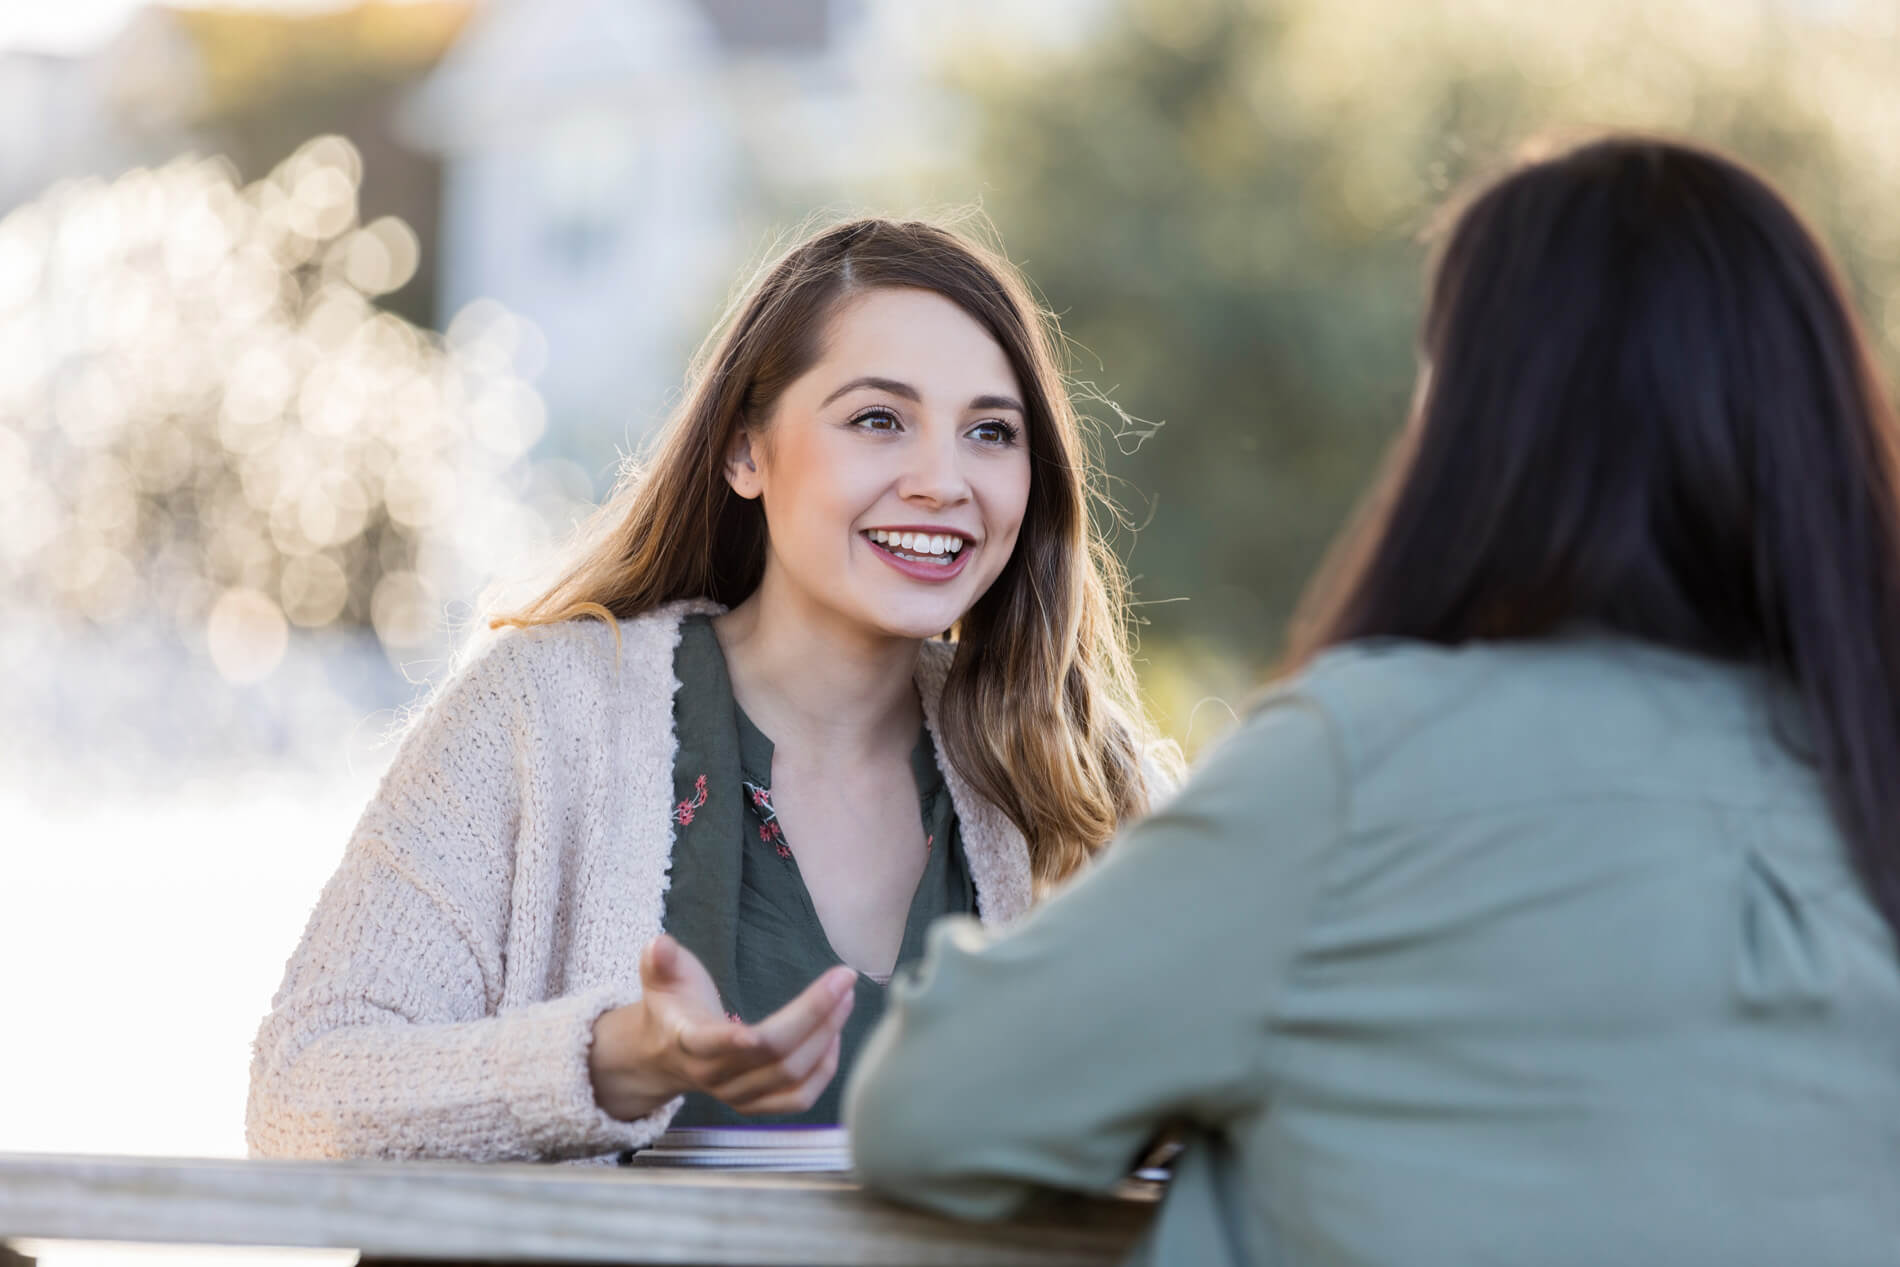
(742, 471)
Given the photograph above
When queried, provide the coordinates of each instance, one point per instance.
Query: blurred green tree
(1223, 200)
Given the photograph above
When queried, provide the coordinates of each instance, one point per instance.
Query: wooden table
(502, 1213)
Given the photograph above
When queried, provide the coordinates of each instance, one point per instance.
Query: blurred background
(317, 318)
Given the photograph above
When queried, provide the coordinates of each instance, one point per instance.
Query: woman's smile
(923, 553)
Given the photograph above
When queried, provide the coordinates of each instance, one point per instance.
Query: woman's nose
(935, 474)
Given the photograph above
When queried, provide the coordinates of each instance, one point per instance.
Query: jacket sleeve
(386, 1038)
(1138, 998)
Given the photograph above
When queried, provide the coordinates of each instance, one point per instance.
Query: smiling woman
(844, 657)
(866, 479)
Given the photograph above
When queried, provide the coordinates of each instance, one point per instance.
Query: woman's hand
(677, 1038)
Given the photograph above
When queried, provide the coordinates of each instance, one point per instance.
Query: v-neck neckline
(755, 771)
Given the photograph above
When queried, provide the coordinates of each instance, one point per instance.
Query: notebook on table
(807, 1148)
(810, 1148)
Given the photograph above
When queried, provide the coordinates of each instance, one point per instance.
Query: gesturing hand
(677, 1038)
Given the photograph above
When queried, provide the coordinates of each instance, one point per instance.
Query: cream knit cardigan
(494, 900)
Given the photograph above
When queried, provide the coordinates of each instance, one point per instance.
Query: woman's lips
(920, 570)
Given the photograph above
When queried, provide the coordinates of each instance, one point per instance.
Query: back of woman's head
(1039, 712)
(1646, 404)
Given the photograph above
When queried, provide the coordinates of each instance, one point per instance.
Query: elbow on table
(268, 1137)
(276, 1130)
(893, 1144)
(904, 1146)
(290, 1117)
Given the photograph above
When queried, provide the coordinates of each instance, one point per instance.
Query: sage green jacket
(1541, 955)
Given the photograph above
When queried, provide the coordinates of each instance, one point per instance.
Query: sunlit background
(318, 319)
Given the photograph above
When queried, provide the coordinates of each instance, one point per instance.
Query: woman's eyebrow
(898, 388)
(998, 402)
(890, 385)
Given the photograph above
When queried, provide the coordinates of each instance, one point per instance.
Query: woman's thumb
(661, 961)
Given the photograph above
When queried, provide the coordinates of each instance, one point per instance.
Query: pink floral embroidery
(683, 813)
(774, 835)
(769, 830)
(930, 842)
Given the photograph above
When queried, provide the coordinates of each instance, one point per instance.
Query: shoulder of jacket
(582, 647)
(566, 662)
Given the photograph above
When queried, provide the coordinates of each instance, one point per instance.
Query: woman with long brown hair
(1547, 910)
(844, 656)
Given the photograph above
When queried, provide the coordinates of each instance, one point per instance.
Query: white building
(612, 165)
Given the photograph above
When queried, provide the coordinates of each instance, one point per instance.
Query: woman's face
(895, 472)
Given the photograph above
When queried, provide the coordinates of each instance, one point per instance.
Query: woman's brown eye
(876, 420)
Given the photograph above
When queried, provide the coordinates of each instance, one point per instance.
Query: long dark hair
(1646, 403)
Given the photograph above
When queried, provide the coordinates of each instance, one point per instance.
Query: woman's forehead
(914, 337)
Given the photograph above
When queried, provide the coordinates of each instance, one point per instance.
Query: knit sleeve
(386, 1038)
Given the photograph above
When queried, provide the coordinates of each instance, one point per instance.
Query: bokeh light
(199, 394)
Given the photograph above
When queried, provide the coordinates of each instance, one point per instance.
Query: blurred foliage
(222, 409)
(1223, 199)
(206, 425)
(254, 59)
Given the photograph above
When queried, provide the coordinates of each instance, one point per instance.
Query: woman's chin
(916, 630)
(917, 619)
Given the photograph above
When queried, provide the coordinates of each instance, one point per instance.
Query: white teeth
(923, 544)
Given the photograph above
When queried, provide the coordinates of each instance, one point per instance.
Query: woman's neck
(815, 683)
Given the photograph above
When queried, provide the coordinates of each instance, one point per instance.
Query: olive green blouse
(736, 898)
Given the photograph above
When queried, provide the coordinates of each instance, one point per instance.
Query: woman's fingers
(716, 1044)
(780, 1058)
(722, 1050)
(786, 1030)
(800, 1096)
(792, 1069)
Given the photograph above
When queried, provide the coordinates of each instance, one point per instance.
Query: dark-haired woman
(651, 857)
(1546, 913)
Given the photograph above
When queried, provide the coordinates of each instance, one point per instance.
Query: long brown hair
(1039, 712)
(1649, 406)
